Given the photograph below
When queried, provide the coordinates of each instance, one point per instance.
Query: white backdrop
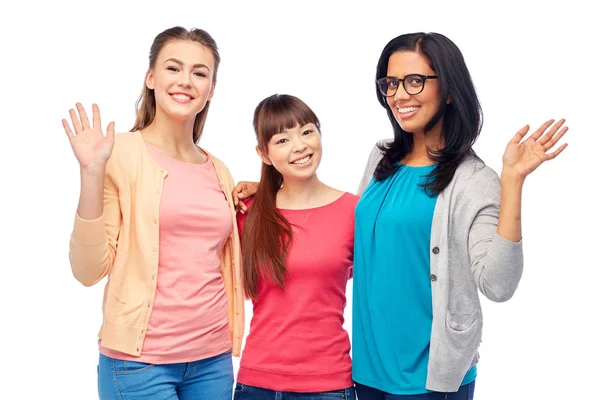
(529, 63)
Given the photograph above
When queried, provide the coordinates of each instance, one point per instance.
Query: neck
(171, 134)
(432, 140)
(299, 193)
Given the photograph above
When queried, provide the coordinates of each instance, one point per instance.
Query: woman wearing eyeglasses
(433, 226)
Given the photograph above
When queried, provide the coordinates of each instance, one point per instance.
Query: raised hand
(92, 149)
(522, 157)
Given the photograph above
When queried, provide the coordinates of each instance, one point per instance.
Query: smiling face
(295, 153)
(182, 79)
(413, 112)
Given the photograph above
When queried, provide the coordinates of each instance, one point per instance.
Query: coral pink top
(297, 342)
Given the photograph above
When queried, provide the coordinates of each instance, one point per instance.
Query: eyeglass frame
(423, 77)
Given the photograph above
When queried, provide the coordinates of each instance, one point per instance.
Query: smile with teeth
(181, 97)
(302, 160)
(407, 110)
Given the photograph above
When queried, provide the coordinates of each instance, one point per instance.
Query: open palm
(524, 156)
(92, 149)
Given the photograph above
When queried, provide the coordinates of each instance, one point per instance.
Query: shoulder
(350, 199)
(476, 177)
(220, 166)
(127, 148)
(128, 141)
(376, 154)
(222, 171)
(376, 151)
(347, 203)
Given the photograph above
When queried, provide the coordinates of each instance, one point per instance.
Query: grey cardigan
(466, 254)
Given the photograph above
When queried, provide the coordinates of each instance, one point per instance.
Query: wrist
(93, 172)
(511, 177)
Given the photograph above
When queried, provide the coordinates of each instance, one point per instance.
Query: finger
(68, 130)
(75, 121)
(85, 123)
(110, 131)
(96, 116)
(550, 143)
(548, 135)
(557, 152)
(537, 134)
(520, 135)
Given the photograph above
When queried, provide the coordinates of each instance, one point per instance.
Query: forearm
(509, 220)
(91, 194)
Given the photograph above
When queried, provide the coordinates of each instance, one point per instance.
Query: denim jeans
(245, 392)
(465, 392)
(211, 378)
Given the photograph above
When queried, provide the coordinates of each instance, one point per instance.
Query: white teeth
(302, 160)
(407, 109)
(181, 97)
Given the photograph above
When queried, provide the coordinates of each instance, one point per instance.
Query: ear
(150, 79)
(212, 91)
(263, 157)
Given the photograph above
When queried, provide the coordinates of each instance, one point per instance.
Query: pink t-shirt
(296, 341)
(189, 318)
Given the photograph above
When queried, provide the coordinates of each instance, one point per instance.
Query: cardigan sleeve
(496, 262)
(93, 244)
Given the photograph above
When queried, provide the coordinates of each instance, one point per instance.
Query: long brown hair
(146, 104)
(267, 235)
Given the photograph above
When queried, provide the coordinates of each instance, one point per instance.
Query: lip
(300, 158)
(406, 115)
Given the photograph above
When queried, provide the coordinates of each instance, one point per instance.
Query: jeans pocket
(130, 367)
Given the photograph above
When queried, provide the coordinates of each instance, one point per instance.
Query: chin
(181, 116)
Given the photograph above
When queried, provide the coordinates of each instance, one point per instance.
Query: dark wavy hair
(462, 117)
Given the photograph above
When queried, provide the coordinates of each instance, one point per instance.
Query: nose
(299, 145)
(401, 93)
(184, 80)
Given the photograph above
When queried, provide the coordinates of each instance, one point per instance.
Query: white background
(529, 62)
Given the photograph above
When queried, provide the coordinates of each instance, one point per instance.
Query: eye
(200, 74)
(307, 132)
(392, 83)
(415, 81)
(280, 141)
(172, 68)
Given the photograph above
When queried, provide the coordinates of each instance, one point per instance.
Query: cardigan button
(435, 250)
(433, 277)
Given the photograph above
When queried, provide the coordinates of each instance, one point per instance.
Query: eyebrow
(181, 63)
(300, 127)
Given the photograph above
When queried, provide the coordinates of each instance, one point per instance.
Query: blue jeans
(245, 392)
(465, 392)
(211, 378)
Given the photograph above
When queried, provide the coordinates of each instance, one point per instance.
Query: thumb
(110, 131)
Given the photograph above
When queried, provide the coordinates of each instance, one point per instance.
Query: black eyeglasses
(413, 84)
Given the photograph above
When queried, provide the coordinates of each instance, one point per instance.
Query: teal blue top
(392, 307)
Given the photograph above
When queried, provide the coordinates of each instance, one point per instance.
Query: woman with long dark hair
(434, 224)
